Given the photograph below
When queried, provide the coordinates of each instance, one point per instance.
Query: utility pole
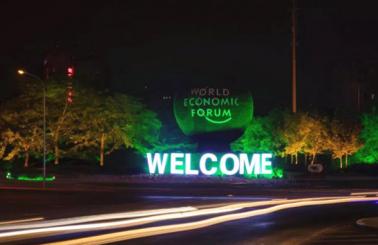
(294, 57)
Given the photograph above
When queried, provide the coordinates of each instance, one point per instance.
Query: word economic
(209, 164)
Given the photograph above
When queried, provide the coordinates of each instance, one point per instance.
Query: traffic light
(70, 71)
(69, 95)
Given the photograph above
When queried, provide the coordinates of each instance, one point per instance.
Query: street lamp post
(25, 73)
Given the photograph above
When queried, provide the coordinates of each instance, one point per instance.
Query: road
(312, 225)
(145, 217)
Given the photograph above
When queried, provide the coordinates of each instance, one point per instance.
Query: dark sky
(170, 44)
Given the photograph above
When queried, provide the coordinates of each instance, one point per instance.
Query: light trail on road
(165, 229)
(364, 193)
(139, 221)
(98, 217)
(10, 222)
(40, 232)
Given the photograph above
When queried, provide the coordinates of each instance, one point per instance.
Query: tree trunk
(26, 161)
(296, 159)
(346, 160)
(56, 135)
(102, 148)
(56, 150)
(341, 162)
(2, 151)
(313, 159)
(305, 159)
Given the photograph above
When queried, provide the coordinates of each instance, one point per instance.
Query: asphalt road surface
(152, 217)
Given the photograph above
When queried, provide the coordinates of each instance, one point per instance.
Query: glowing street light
(25, 73)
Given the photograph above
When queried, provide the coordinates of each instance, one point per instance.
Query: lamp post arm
(36, 77)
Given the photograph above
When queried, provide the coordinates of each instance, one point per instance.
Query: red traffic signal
(70, 71)
(69, 95)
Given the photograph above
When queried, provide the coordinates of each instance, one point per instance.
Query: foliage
(21, 133)
(368, 153)
(304, 134)
(293, 136)
(314, 129)
(261, 135)
(288, 134)
(256, 138)
(343, 141)
(104, 123)
(96, 123)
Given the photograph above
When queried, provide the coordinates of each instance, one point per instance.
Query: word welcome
(210, 164)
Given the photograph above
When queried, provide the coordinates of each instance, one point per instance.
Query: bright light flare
(20, 72)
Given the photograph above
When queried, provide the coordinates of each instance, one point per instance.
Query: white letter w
(156, 162)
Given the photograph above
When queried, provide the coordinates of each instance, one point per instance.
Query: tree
(256, 138)
(293, 136)
(305, 134)
(314, 128)
(368, 153)
(22, 127)
(93, 119)
(336, 141)
(97, 123)
(104, 123)
(7, 141)
(58, 108)
(343, 141)
(353, 145)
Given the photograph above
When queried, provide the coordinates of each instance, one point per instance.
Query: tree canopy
(96, 123)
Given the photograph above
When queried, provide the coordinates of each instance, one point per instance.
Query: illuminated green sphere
(204, 110)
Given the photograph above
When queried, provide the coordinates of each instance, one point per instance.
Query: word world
(210, 164)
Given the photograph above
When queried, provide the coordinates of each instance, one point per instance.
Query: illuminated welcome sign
(201, 110)
(210, 164)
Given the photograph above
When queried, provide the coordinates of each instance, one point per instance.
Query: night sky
(162, 45)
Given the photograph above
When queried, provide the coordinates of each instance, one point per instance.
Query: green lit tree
(368, 153)
(261, 135)
(256, 138)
